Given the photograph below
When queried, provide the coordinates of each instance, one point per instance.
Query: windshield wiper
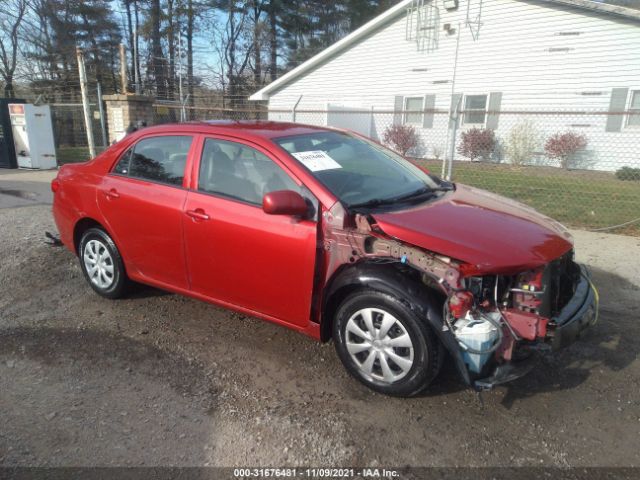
(422, 191)
(376, 202)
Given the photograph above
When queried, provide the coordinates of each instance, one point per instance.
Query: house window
(413, 110)
(475, 107)
(634, 109)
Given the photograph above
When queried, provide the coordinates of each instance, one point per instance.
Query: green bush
(628, 173)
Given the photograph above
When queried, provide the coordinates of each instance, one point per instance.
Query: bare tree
(257, 8)
(236, 49)
(157, 59)
(171, 46)
(11, 16)
(272, 12)
(189, 35)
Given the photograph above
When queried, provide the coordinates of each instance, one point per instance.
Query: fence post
(85, 101)
(293, 110)
(453, 130)
(123, 69)
(371, 120)
(183, 108)
(103, 124)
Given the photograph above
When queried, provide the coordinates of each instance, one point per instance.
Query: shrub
(437, 151)
(522, 143)
(401, 138)
(477, 144)
(628, 173)
(563, 146)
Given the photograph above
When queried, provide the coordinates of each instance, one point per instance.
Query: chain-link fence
(579, 167)
(168, 113)
(570, 165)
(70, 134)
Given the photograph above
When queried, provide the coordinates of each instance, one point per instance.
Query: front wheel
(101, 263)
(385, 345)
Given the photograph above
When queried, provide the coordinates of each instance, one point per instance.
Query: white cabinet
(33, 135)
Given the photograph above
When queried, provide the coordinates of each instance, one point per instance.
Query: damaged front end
(502, 322)
(494, 326)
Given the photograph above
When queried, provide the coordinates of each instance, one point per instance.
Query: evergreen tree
(67, 24)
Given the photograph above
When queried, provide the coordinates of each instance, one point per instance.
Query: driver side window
(240, 172)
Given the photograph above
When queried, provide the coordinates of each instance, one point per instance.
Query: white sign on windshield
(317, 160)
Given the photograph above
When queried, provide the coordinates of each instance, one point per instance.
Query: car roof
(244, 128)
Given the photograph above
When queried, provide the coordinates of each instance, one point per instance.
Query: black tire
(427, 349)
(118, 279)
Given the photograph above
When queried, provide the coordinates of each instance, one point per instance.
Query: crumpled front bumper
(578, 314)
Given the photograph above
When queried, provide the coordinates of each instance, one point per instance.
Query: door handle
(198, 214)
(113, 193)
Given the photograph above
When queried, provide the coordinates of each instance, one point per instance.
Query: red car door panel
(146, 219)
(142, 201)
(238, 254)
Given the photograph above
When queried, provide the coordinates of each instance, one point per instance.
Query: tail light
(55, 185)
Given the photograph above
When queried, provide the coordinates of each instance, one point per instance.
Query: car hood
(491, 233)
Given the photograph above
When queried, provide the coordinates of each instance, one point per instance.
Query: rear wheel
(383, 343)
(101, 263)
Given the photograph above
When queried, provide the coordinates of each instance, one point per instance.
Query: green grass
(580, 198)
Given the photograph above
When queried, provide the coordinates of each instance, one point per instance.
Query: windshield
(357, 171)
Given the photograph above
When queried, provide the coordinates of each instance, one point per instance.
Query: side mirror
(284, 202)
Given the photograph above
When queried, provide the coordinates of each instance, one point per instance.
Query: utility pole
(183, 112)
(85, 102)
(136, 69)
(123, 69)
(103, 124)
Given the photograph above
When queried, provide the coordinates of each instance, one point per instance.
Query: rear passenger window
(158, 159)
(240, 172)
(122, 167)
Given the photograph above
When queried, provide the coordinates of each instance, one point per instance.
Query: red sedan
(335, 236)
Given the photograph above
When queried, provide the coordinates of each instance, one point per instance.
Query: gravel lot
(159, 379)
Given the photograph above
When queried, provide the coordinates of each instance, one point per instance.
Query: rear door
(237, 254)
(142, 200)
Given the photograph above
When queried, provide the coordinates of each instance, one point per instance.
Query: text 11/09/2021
(241, 473)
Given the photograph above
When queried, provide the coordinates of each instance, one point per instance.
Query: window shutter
(429, 114)
(456, 100)
(495, 100)
(398, 106)
(618, 104)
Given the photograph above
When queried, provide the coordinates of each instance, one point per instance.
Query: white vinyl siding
(413, 110)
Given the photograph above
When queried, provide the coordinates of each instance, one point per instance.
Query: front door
(237, 254)
(142, 200)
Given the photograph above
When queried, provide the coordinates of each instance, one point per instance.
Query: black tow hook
(52, 239)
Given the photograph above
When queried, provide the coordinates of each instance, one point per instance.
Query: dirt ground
(159, 379)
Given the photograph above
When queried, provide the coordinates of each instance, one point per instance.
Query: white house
(561, 65)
